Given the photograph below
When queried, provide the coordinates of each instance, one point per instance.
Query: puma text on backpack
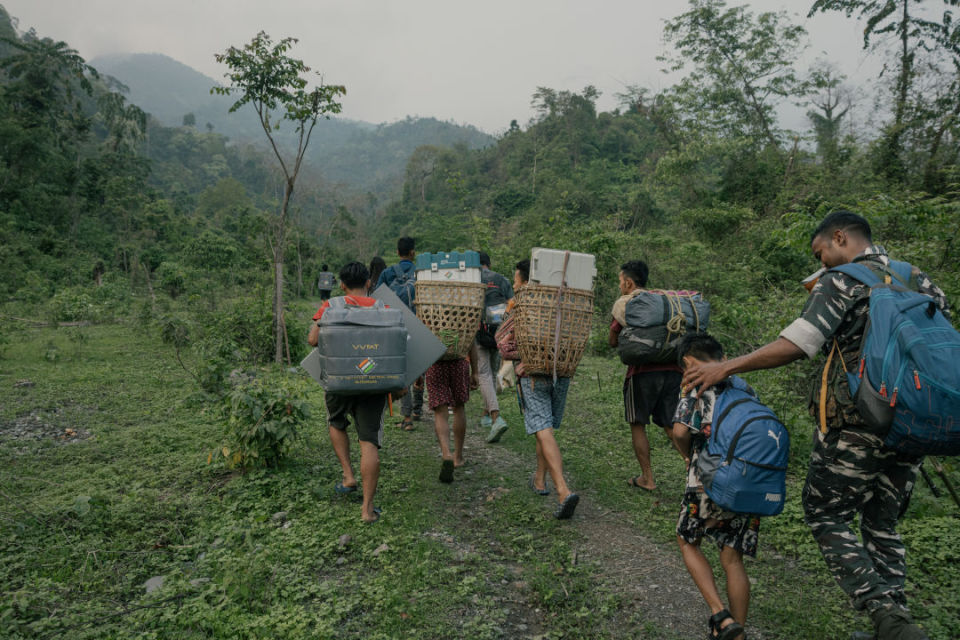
(743, 465)
(404, 285)
(362, 349)
(909, 373)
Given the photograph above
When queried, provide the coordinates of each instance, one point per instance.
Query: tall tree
(742, 65)
(264, 76)
(832, 100)
(913, 31)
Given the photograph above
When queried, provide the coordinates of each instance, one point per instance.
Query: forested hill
(363, 156)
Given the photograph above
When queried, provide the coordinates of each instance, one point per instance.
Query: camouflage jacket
(837, 310)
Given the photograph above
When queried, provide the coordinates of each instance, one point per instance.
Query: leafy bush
(172, 278)
(262, 421)
(72, 304)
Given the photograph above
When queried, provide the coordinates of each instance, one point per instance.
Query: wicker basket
(538, 311)
(451, 310)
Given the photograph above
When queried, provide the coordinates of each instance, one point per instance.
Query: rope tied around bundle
(556, 333)
(677, 324)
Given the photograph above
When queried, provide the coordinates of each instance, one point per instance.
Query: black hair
(354, 275)
(701, 346)
(323, 267)
(637, 271)
(524, 268)
(845, 221)
(377, 265)
(484, 258)
(405, 246)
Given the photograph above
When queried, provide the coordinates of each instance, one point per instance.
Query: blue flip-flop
(376, 511)
(539, 492)
(566, 508)
(343, 489)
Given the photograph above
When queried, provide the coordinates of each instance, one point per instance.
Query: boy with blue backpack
(887, 395)
(402, 280)
(715, 506)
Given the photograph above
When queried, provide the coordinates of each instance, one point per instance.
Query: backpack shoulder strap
(858, 272)
(337, 302)
(398, 271)
(903, 271)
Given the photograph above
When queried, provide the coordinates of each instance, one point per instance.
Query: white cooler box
(453, 266)
(546, 267)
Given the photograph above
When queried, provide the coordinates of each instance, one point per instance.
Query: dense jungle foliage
(106, 216)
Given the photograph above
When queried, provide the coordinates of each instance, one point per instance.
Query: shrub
(172, 278)
(262, 421)
(72, 304)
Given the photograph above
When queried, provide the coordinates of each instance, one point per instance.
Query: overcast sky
(471, 62)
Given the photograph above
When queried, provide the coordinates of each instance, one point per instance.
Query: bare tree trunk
(280, 242)
(278, 305)
(930, 171)
(299, 269)
(153, 296)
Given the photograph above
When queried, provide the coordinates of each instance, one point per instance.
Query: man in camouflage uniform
(850, 472)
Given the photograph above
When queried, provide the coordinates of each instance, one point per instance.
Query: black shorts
(651, 394)
(367, 413)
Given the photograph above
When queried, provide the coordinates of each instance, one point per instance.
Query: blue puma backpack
(743, 464)
(908, 379)
(404, 285)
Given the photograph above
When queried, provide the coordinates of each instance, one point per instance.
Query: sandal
(407, 423)
(728, 632)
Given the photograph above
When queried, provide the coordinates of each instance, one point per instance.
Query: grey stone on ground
(154, 583)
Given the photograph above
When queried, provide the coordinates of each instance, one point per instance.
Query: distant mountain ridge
(363, 156)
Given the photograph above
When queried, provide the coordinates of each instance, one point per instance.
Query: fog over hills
(360, 155)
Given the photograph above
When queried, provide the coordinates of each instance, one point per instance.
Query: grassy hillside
(113, 524)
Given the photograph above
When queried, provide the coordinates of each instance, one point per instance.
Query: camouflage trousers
(412, 402)
(852, 474)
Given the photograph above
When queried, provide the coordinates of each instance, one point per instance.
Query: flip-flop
(343, 489)
(376, 511)
(566, 508)
(446, 471)
(539, 492)
(633, 483)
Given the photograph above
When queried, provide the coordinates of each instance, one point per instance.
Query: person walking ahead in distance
(325, 283)
(851, 473)
(401, 278)
(366, 410)
(497, 295)
(650, 391)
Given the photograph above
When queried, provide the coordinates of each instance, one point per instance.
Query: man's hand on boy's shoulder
(703, 375)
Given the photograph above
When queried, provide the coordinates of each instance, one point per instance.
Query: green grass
(84, 525)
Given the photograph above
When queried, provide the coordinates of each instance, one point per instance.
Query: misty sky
(470, 62)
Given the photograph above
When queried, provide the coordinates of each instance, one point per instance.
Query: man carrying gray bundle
(852, 471)
(366, 411)
(497, 294)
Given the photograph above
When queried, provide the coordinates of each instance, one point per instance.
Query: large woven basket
(451, 310)
(540, 310)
